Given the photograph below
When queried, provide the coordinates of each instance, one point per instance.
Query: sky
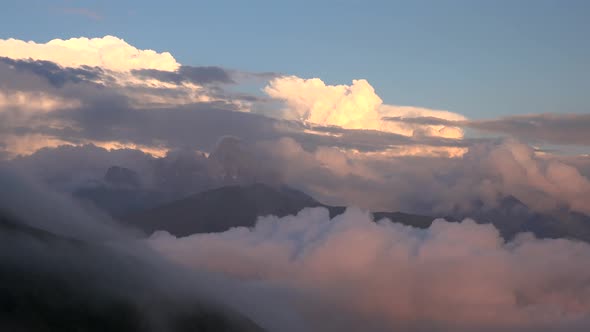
(480, 59)
(475, 111)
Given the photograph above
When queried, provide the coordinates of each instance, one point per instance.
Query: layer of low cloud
(351, 274)
(312, 273)
(477, 181)
(486, 174)
(546, 128)
(58, 244)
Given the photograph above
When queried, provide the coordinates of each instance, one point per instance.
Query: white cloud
(108, 52)
(354, 106)
(29, 90)
(118, 59)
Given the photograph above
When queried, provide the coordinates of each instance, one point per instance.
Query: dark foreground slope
(219, 209)
(53, 283)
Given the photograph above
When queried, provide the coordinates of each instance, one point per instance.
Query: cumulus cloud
(49, 99)
(335, 172)
(352, 274)
(336, 141)
(487, 173)
(354, 106)
(39, 98)
(108, 52)
(148, 79)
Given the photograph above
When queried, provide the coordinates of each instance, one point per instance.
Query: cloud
(68, 167)
(343, 141)
(197, 75)
(355, 106)
(108, 52)
(489, 172)
(55, 74)
(40, 98)
(86, 12)
(351, 274)
(546, 128)
(566, 129)
(307, 272)
(34, 101)
(335, 171)
(90, 102)
(57, 264)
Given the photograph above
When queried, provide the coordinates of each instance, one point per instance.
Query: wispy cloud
(546, 128)
(85, 12)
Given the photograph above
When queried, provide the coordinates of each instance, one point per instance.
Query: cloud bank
(63, 267)
(480, 179)
(546, 128)
(352, 274)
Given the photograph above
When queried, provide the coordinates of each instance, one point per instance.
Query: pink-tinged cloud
(384, 276)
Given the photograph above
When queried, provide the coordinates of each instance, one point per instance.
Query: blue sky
(482, 59)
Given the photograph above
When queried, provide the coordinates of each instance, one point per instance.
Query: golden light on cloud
(35, 101)
(354, 106)
(115, 145)
(23, 145)
(418, 151)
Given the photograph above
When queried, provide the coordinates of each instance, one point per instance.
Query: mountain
(511, 216)
(69, 285)
(118, 201)
(220, 209)
(120, 192)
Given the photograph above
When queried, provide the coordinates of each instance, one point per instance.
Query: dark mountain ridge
(220, 209)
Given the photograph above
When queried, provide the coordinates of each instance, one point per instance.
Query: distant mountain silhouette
(118, 201)
(220, 209)
(511, 216)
